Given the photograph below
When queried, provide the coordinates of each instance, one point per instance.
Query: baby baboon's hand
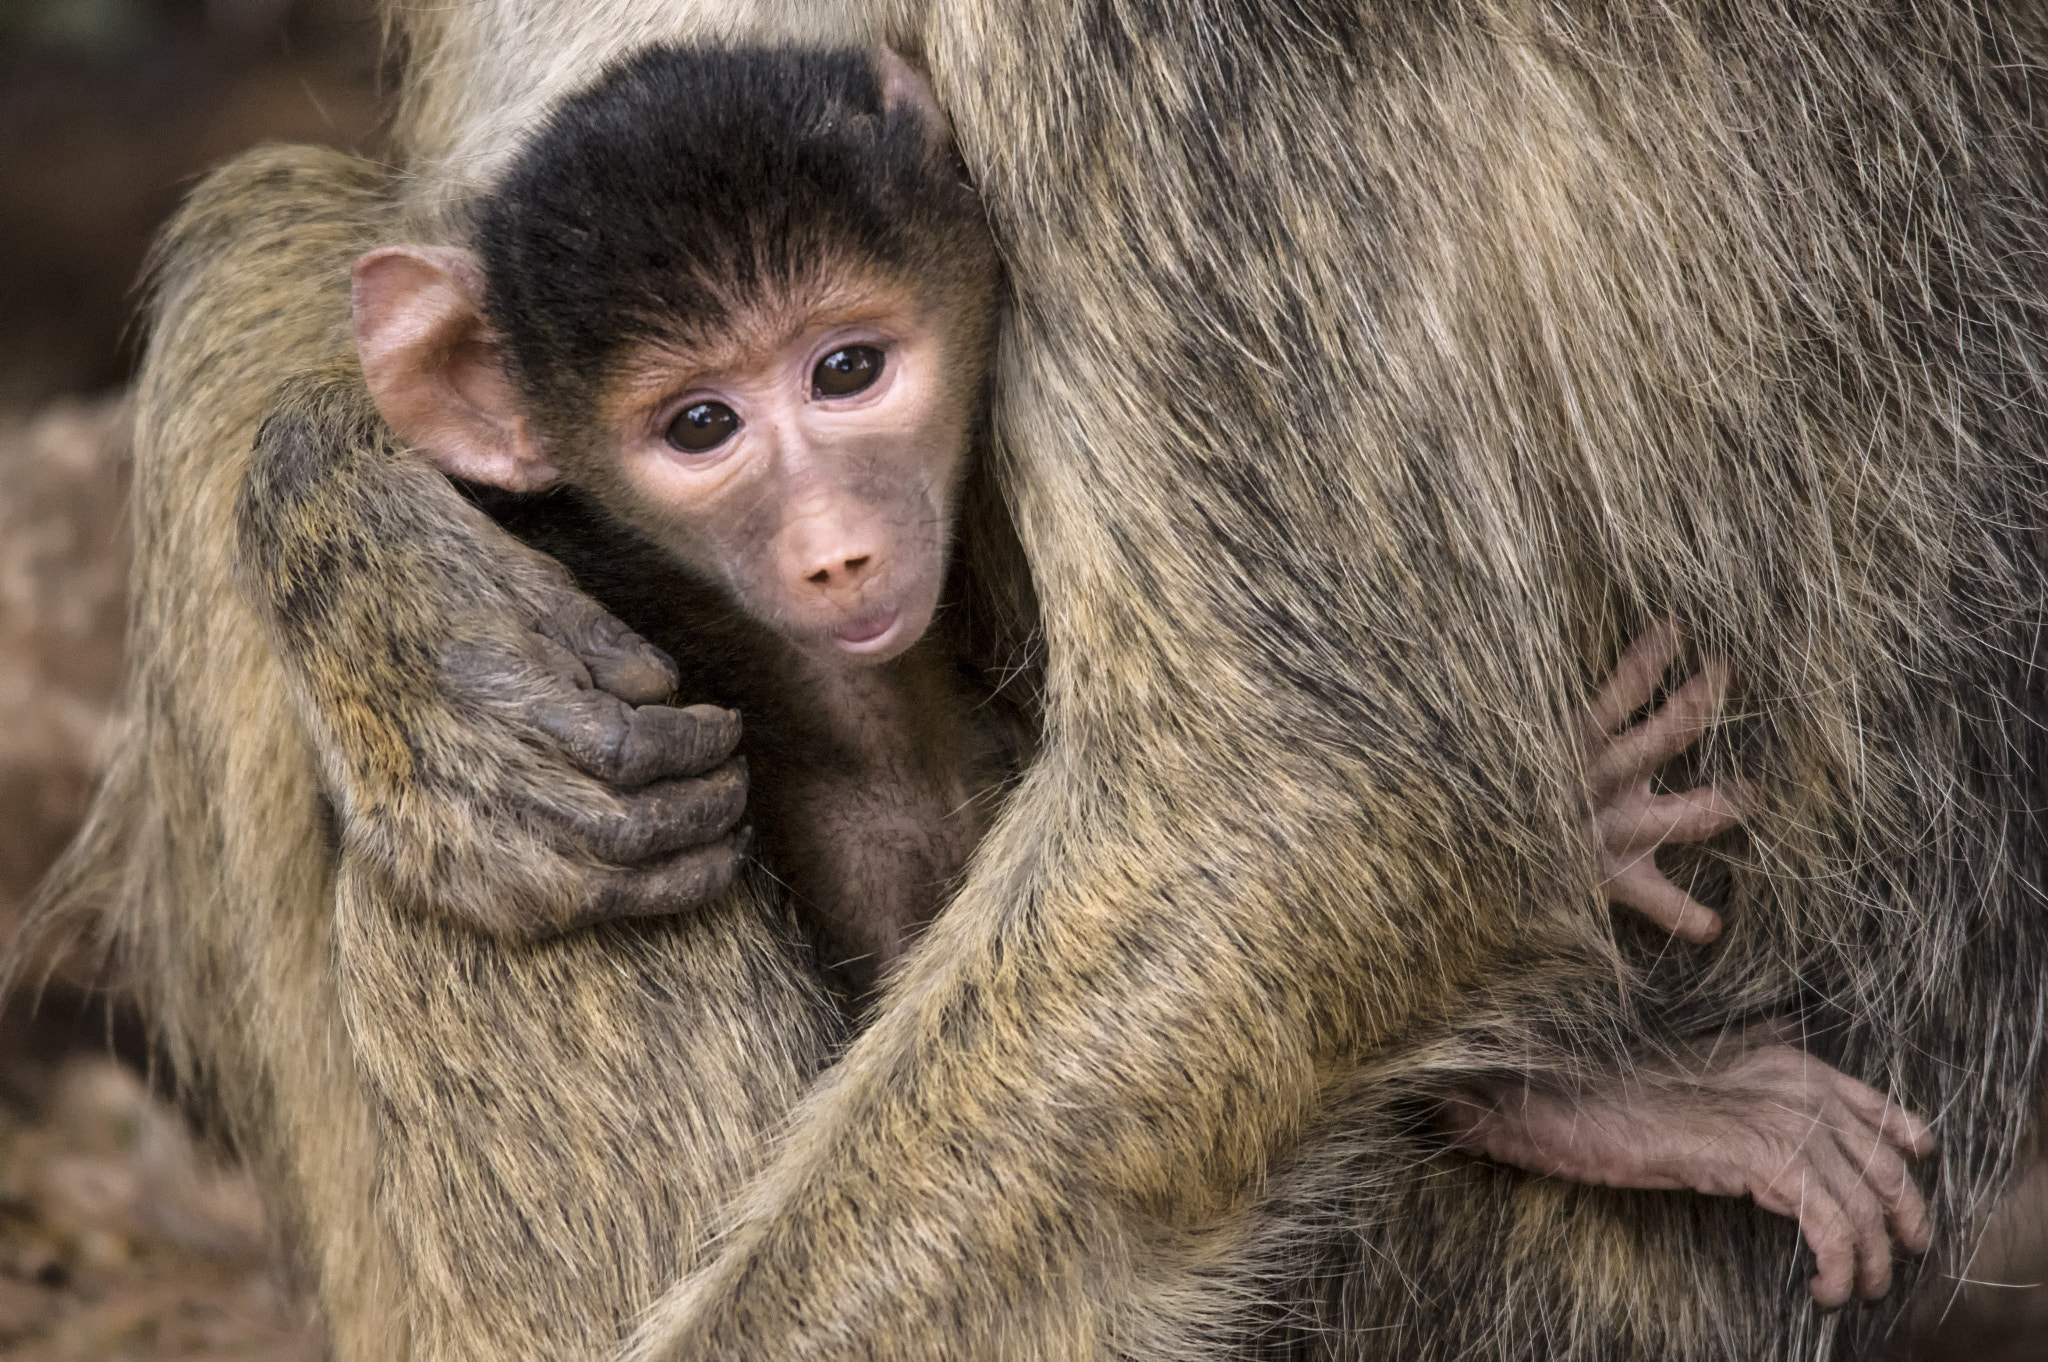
(1770, 1123)
(1630, 819)
(493, 739)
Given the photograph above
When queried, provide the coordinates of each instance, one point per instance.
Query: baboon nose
(841, 573)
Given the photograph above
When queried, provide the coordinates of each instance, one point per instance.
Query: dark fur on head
(689, 183)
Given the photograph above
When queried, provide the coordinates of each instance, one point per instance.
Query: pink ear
(432, 369)
(905, 85)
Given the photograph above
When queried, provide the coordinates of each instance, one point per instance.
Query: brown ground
(121, 1239)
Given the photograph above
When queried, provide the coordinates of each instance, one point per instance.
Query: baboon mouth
(867, 634)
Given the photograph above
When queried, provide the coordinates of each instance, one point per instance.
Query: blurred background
(122, 1236)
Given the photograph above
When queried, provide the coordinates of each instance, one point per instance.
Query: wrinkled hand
(1630, 820)
(659, 836)
(1772, 1123)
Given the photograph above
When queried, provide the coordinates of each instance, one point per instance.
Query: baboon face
(743, 299)
(808, 457)
(810, 462)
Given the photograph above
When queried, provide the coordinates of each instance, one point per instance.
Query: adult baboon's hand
(647, 816)
(495, 742)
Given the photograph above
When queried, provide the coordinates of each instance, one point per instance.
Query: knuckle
(710, 732)
(708, 878)
(719, 806)
(597, 629)
(597, 738)
(607, 893)
(613, 756)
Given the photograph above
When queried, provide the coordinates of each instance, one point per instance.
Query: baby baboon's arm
(1767, 1121)
(493, 738)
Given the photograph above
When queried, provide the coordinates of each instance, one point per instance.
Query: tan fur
(1534, 319)
(309, 1035)
(1373, 372)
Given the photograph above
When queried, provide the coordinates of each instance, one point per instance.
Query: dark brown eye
(701, 426)
(846, 372)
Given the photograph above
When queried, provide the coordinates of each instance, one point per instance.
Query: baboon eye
(846, 372)
(701, 426)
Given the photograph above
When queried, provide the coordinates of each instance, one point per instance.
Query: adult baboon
(1371, 372)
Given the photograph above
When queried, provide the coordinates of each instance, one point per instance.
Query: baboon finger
(667, 816)
(1642, 887)
(1860, 1203)
(1674, 726)
(668, 742)
(499, 671)
(620, 661)
(1634, 679)
(1898, 1196)
(1894, 1124)
(1827, 1232)
(1906, 1209)
(684, 882)
(593, 728)
(1877, 1137)
(1903, 1130)
(625, 746)
(549, 656)
(1697, 814)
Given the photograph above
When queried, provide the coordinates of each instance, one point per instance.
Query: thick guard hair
(688, 184)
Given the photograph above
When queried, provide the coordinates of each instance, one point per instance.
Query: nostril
(845, 572)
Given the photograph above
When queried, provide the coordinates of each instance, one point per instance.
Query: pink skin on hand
(1756, 1117)
(1771, 1123)
(1630, 819)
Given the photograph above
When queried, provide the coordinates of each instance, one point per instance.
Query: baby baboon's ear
(434, 371)
(904, 86)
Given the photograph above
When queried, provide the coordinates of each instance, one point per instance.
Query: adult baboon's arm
(495, 742)
(486, 733)
(1345, 418)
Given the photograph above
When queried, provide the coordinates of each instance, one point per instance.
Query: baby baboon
(1369, 375)
(1371, 372)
